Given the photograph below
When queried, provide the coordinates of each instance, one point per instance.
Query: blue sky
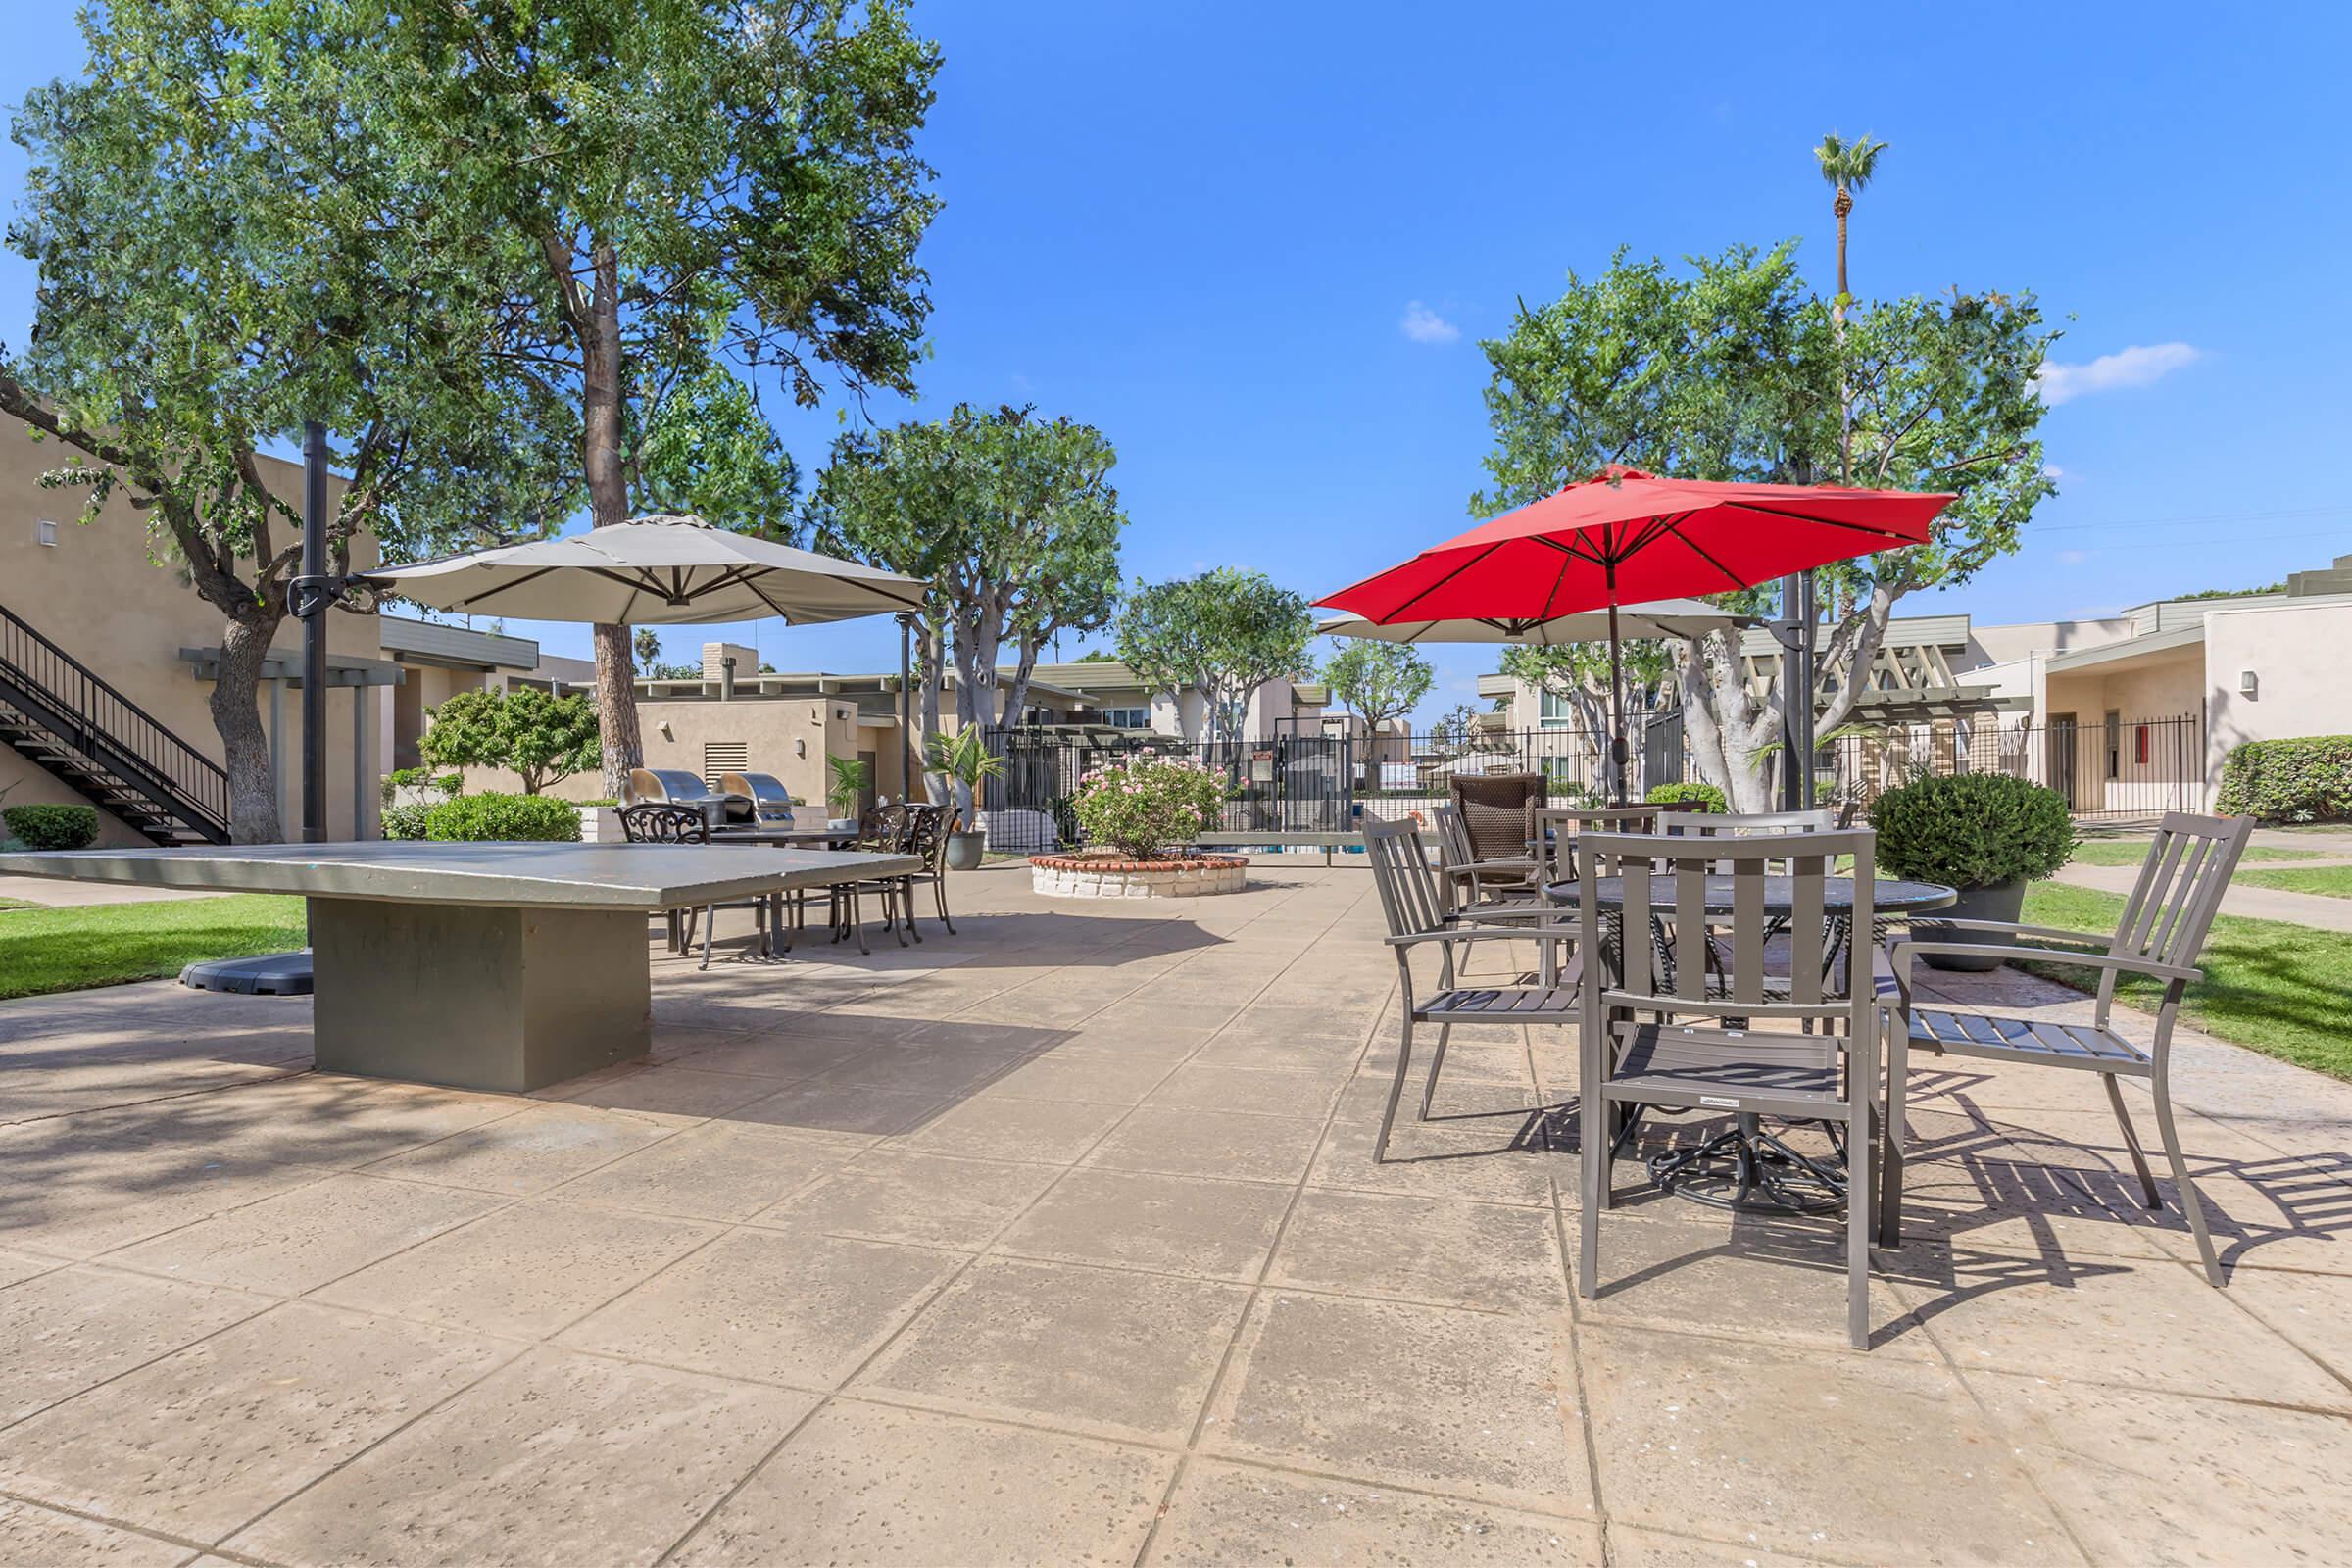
(1257, 245)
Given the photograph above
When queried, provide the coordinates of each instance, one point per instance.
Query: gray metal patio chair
(1635, 1050)
(1417, 916)
(2160, 935)
(654, 822)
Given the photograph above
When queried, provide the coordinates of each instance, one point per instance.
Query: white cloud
(2075, 558)
(1425, 325)
(2052, 472)
(2134, 367)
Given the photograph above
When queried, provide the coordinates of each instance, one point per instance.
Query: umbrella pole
(1616, 703)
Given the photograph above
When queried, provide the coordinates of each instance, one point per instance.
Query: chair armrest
(1473, 867)
(2047, 933)
(1902, 952)
(1480, 915)
(1519, 933)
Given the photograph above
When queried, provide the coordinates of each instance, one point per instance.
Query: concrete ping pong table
(499, 966)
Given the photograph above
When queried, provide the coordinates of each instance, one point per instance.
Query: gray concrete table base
(477, 997)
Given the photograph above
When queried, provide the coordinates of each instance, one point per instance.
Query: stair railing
(101, 723)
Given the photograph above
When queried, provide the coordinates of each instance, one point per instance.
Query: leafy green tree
(1013, 522)
(232, 235)
(681, 190)
(1579, 674)
(708, 450)
(1377, 680)
(646, 645)
(1223, 634)
(1733, 370)
(541, 739)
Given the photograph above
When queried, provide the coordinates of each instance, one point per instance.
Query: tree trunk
(930, 663)
(236, 715)
(624, 744)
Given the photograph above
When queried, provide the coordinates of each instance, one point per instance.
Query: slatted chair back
(1664, 881)
(1749, 824)
(1452, 838)
(2180, 890)
(1499, 811)
(1409, 894)
(657, 824)
(1557, 828)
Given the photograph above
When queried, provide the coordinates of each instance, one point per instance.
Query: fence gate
(1279, 784)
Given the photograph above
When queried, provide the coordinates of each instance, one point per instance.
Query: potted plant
(966, 761)
(846, 780)
(1986, 834)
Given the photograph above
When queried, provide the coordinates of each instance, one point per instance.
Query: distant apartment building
(2127, 713)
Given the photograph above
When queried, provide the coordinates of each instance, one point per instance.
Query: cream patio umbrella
(667, 571)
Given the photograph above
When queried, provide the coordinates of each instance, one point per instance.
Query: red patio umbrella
(1623, 537)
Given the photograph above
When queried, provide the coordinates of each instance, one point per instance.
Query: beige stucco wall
(2301, 658)
(97, 593)
(787, 735)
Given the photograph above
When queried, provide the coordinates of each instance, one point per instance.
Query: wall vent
(44, 532)
(724, 756)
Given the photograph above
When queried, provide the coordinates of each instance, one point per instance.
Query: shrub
(1676, 794)
(52, 827)
(1141, 806)
(503, 819)
(405, 821)
(1973, 831)
(541, 739)
(2308, 779)
(401, 778)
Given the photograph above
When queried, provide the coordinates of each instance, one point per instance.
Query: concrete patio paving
(1059, 1240)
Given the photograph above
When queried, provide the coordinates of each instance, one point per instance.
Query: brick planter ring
(1088, 876)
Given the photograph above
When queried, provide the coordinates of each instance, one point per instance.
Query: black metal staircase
(55, 710)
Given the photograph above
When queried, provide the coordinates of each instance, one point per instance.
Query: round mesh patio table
(1750, 1165)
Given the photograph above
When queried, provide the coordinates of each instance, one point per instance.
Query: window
(2115, 744)
(1556, 712)
(1127, 717)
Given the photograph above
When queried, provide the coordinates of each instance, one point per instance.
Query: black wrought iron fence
(2113, 769)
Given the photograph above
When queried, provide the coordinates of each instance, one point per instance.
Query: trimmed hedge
(1972, 830)
(503, 819)
(405, 821)
(52, 827)
(1676, 794)
(2308, 779)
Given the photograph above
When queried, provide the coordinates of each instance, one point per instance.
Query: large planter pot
(965, 850)
(1109, 876)
(2002, 903)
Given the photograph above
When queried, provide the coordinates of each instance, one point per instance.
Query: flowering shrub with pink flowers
(1142, 805)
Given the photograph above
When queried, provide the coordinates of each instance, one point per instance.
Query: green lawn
(2334, 881)
(2283, 990)
(69, 949)
(2131, 852)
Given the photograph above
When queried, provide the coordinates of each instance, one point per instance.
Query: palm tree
(1847, 167)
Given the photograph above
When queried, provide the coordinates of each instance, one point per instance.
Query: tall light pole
(314, 594)
(905, 706)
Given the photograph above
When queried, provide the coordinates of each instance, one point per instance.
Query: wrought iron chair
(2160, 935)
(1414, 903)
(887, 829)
(1635, 1050)
(655, 822)
(932, 824)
